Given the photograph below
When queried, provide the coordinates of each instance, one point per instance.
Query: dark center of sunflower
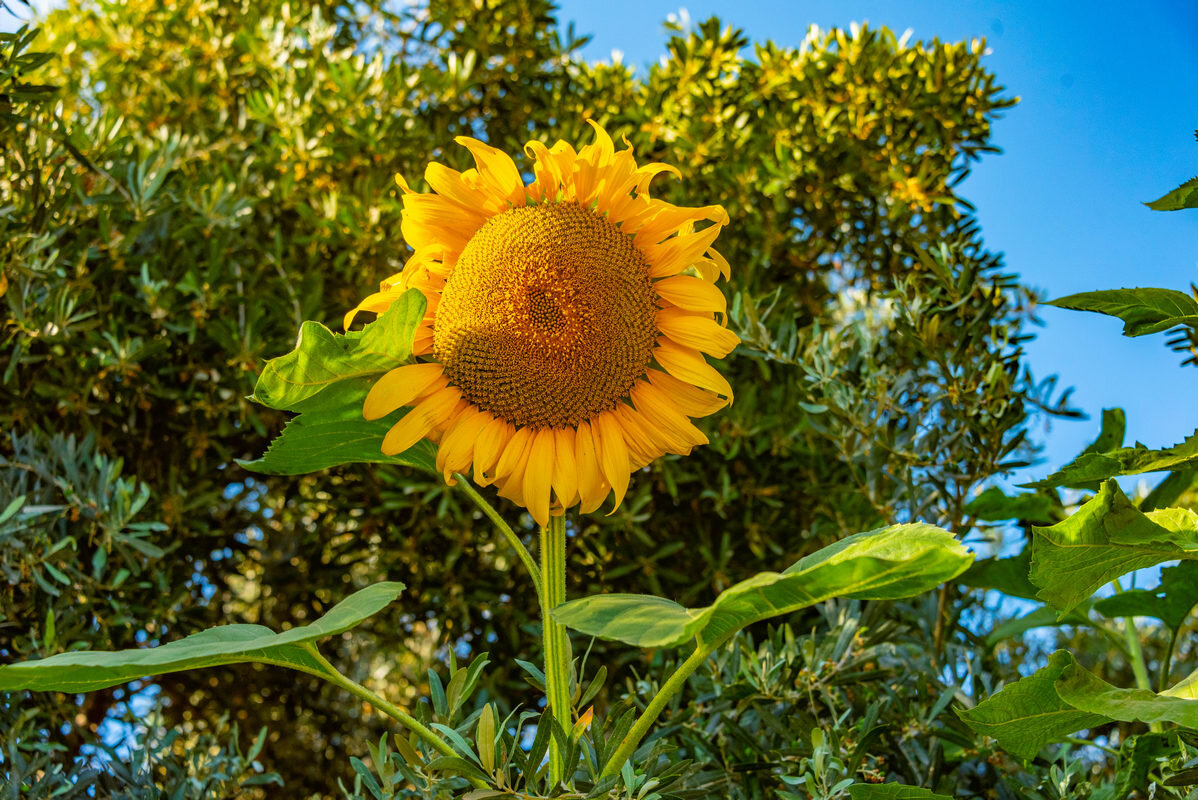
(547, 317)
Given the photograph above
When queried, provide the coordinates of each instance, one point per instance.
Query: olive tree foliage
(182, 183)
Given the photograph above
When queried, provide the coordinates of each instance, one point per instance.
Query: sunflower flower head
(566, 325)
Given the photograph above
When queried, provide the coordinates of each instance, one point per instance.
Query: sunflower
(566, 325)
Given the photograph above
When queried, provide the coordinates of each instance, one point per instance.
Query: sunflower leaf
(326, 379)
(893, 562)
(1028, 714)
(1105, 538)
(1184, 196)
(86, 670)
(321, 359)
(1143, 311)
(892, 791)
(1091, 467)
(1085, 691)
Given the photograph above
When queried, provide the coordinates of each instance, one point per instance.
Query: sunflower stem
(509, 534)
(556, 643)
(671, 687)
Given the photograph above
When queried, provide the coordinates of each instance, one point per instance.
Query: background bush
(182, 183)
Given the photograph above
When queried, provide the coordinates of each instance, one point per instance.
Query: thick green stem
(1162, 681)
(557, 644)
(670, 688)
(504, 528)
(1135, 655)
(332, 675)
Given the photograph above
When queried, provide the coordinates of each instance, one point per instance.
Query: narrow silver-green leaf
(893, 562)
(1105, 538)
(1028, 714)
(86, 670)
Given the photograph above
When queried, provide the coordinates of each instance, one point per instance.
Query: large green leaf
(86, 670)
(1107, 537)
(326, 379)
(1143, 311)
(1042, 617)
(898, 561)
(1091, 467)
(1006, 575)
(321, 359)
(1184, 196)
(1170, 602)
(994, 505)
(1028, 714)
(1064, 697)
(1086, 692)
(323, 438)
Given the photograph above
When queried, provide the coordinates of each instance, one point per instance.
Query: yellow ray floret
(566, 327)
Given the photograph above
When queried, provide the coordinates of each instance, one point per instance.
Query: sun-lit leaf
(1143, 311)
(1105, 538)
(1028, 714)
(1184, 196)
(994, 505)
(1086, 692)
(1092, 467)
(1170, 602)
(322, 359)
(86, 670)
(898, 561)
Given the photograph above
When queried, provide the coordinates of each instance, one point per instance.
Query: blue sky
(1106, 120)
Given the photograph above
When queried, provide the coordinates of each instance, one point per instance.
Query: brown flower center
(547, 318)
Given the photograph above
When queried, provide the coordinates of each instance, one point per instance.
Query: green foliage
(86, 670)
(1184, 196)
(894, 562)
(326, 379)
(1105, 539)
(209, 175)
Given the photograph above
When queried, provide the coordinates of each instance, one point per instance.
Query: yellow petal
(376, 303)
(690, 400)
(565, 466)
(644, 445)
(693, 294)
(400, 387)
(496, 169)
(512, 452)
(679, 252)
(492, 440)
(699, 332)
(665, 418)
(612, 453)
(538, 475)
(688, 365)
(421, 420)
(721, 262)
(449, 183)
(457, 446)
(592, 488)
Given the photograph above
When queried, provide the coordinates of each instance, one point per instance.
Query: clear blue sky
(1106, 120)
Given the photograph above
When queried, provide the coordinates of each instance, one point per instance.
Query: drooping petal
(492, 440)
(693, 294)
(679, 252)
(538, 474)
(421, 420)
(690, 399)
(565, 466)
(697, 331)
(512, 452)
(457, 446)
(592, 488)
(612, 451)
(401, 387)
(688, 365)
(663, 416)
